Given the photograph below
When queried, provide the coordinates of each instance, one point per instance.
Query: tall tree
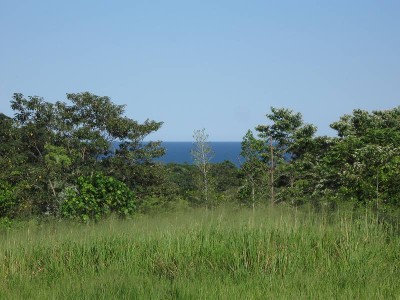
(65, 140)
(253, 168)
(286, 139)
(33, 128)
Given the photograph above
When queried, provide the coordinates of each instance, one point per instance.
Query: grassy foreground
(223, 254)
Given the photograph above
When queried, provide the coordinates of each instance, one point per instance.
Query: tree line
(60, 160)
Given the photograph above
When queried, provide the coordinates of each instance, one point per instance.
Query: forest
(57, 161)
(303, 217)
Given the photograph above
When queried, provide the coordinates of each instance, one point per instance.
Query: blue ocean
(180, 152)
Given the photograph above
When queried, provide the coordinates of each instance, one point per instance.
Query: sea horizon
(146, 141)
(180, 152)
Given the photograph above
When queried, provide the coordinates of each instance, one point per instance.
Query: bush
(97, 196)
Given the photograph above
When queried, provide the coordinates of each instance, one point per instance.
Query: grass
(221, 254)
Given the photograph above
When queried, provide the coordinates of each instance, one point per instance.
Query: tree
(202, 156)
(32, 128)
(133, 161)
(8, 146)
(284, 141)
(225, 175)
(253, 168)
(57, 163)
(363, 162)
(57, 143)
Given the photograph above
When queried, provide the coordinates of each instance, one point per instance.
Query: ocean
(180, 152)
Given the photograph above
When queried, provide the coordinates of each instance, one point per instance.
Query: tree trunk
(52, 188)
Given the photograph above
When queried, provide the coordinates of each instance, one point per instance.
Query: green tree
(253, 169)
(32, 130)
(362, 164)
(226, 176)
(49, 145)
(282, 143)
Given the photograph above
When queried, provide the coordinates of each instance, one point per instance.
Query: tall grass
(221, 254)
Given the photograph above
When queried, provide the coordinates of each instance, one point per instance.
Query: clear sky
(210, 64)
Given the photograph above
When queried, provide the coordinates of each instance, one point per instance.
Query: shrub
(97, 196)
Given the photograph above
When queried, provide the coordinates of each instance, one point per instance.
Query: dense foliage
(83, 159)
(97, 196)
(293, 165)
(48, 150)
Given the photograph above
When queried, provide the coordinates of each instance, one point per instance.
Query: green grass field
(221, 254)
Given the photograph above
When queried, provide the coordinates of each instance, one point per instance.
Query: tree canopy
(47, 146)
(82, 158)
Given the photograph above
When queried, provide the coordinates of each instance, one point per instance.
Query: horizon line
(191, 141)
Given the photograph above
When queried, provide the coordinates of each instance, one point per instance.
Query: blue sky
(218, 65)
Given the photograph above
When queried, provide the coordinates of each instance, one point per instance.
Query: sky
(218, 65)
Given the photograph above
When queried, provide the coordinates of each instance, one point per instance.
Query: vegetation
(97, 196)
(49, 150)
(360, 166)
(86, 212)
(202, 155)
(225, 253)
(83, 159)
